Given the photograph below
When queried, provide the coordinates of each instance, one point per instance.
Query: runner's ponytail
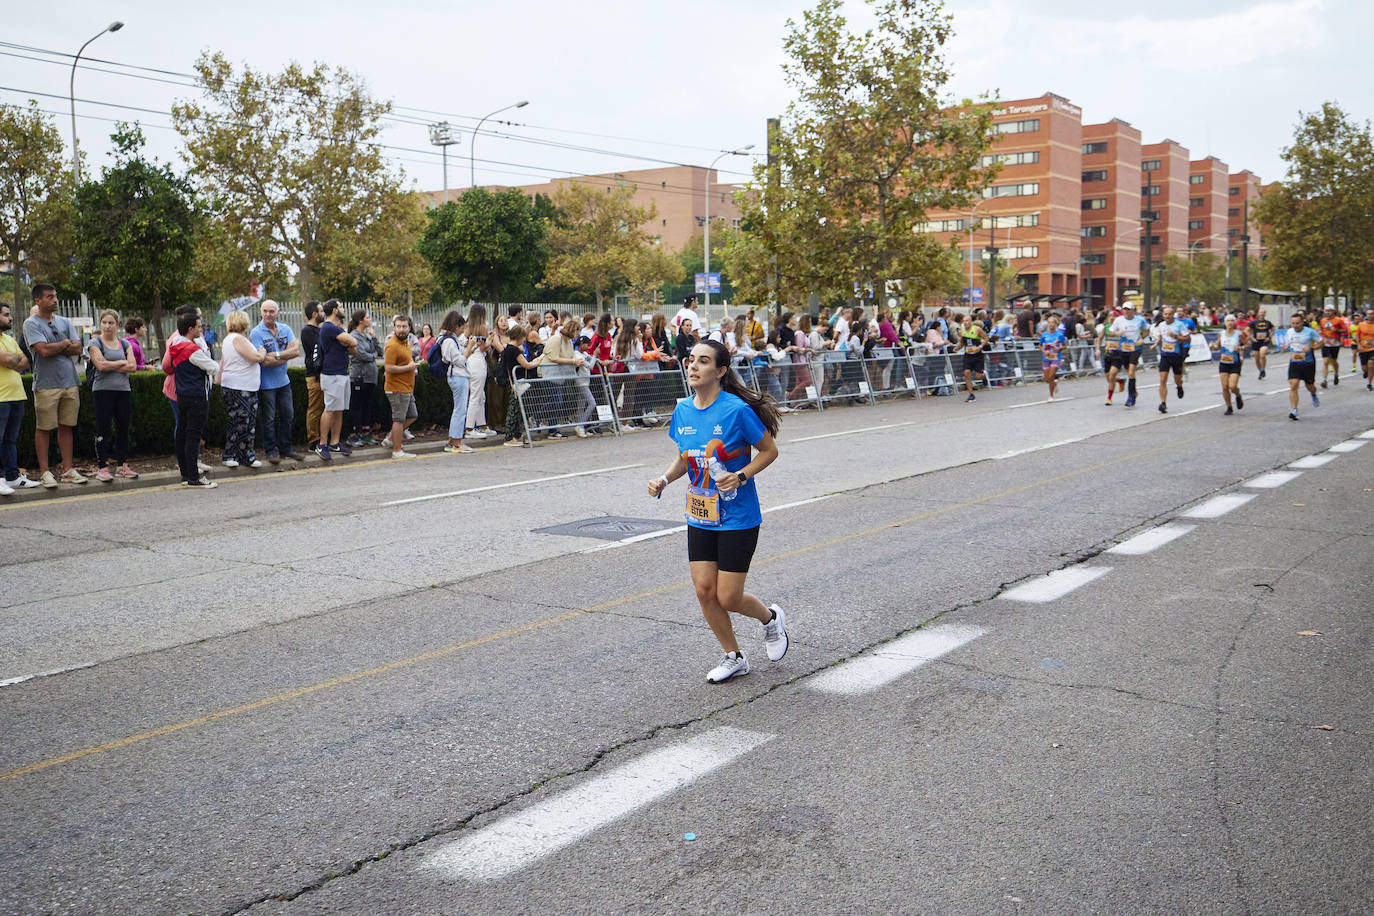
(762, 405)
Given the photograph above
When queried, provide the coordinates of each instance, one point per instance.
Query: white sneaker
(72, 475)
(402, 454)
(202, 466)
(387, 442)
(730, 665)
(6, 489)
(22, 482)
(255, 463)
(229, 463)
(409, 435)
(581, 433)
(50, 482)
(775, 634)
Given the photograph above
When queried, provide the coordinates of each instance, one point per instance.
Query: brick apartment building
(677, 192)
(1066, 208)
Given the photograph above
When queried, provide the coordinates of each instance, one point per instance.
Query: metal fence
(563, 400)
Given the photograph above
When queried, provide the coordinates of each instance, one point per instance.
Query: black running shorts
(973, 362)
(1331, 352)
(1365, 356)
(731, 551)
(1171, 362)
(1128, 359)
(1230, 367)
(1303, 372)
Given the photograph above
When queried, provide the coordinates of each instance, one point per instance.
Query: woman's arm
(99, 361)
(765, 453)
(245, 349)
(675, 470)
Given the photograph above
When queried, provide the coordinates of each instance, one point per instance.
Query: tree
(135, 230)
(486, 245)
(293, 161)
(1321, 211)
(383, 261)
(601, 246)
(35, 197)
(866, 148)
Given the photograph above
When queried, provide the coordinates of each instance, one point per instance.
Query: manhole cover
(608, 527)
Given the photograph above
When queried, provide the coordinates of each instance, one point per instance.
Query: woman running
(973, 339)
(1231, 342)
(714, 431)
(1052, 344)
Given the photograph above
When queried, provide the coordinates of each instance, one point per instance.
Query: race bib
(1167, 346)
(1113, 345)
(1227, 356)
(1128, 346)
(703, 508)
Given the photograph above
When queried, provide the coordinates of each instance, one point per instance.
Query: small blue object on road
(689, 837)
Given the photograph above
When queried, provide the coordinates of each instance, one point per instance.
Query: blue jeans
(277, 411)
(11, 414)
(458, 384)
(176, 416)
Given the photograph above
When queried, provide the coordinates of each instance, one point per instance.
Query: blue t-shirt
(333, 355)
(1300, 343)
(273, 377)
(1171, 334)
(1051, 344)
(726, 430)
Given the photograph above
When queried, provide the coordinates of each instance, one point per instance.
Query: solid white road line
(11, 681)
(1367, 434)
(650, 535)
(1194, 410)
(1272, 479)
(1148, 540)
(1312, 461)
(1056, 585)
(1218, 506)
(1041, 403)
(891, 660)
(514, 483)
(518, 839)
(849, 432)
(1036, 448)
(1348, 445)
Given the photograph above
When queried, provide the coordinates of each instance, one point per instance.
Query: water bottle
(718, 470)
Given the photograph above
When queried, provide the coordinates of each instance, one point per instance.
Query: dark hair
(185, 310)
(517, 332)
(330, 306)
(357, 318)
(477, 320)
(689, 300)
(761, 404)
(406, 318)
(132, 325)
(513, 311)
(603, 326)
(4, 304)
(311, 308)
(186, 322)
(39, 289)
(625, 340)
(451, 323)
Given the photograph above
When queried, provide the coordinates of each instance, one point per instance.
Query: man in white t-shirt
(842, 325)
(689, 311)
(1131, 330)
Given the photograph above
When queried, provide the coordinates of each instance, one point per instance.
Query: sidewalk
(162, 478)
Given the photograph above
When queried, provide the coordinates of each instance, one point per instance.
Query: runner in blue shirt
(1173, 335)
(1231, 345)
(724, 436)
(1302, 363)
(1052, 343)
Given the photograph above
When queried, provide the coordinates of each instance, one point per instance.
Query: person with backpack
(448, 359)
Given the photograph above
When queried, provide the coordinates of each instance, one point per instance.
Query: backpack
(435, 357)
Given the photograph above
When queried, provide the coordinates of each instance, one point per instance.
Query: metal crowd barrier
(646, 394)
(564, 399)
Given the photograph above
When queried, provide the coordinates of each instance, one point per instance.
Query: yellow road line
(539, 624)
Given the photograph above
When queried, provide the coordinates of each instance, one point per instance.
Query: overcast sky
(679, 81)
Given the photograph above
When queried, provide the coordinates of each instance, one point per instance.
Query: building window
(1016, 220)
(1013, 190)
(1095, 175)
(735, 222)
(1092, 232)
(1232, 233)
(1090, 149)
(1028, 157)
(1029, 126)
(1095, 203)
(1154, 239)
(1194, 224)
(1149, 214)
(1235, 192)
(1196, 202)
(1233, 211)
(1150, 165)
(1149, 190)
(1197, 179)
(1093, 259)
(1019, 252)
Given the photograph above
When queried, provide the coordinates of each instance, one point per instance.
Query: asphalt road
(344, 691)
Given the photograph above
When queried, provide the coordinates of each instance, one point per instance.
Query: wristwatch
(742, 477)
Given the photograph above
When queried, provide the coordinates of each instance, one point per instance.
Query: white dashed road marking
(1056, 585)
(1312, 461)
(1272, 479)
(1367, 434)
(1147, 541)
(518, 839)
(1348, 445)
(514, 483)
(849, 432)
(1218, 506)
(891, 660)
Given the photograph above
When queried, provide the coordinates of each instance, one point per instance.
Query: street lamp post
(472, 159)
(971, 221)
(706, 237)
(76, 156)
(441, 135)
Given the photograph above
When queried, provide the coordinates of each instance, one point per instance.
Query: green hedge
(151, 431)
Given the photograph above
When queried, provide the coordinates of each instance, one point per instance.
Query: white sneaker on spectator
(231, 463)
(731, 664)
(409, 435)
(22, 482)
(775, 634)
(387, 442)
(202, 466)
(402, 454)
(50, 482)
(6, 489)
(72, 475)
(581, 433)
